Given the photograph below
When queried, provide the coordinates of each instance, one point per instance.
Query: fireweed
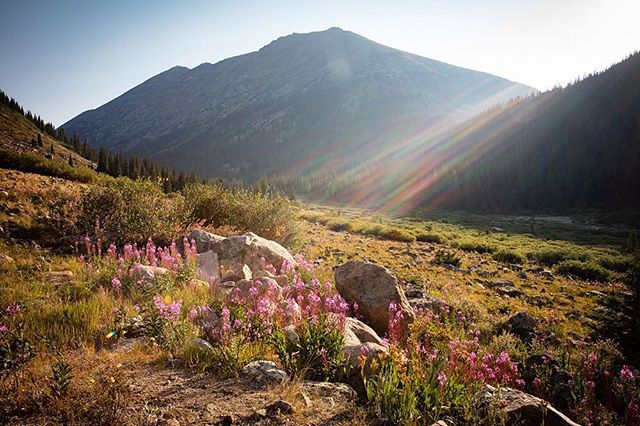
(435, 368)
(117, 266)
(265, 312)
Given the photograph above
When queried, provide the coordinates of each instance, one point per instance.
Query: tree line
(106, 162)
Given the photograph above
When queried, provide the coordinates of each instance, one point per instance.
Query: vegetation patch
(508, 256)
(583, 270)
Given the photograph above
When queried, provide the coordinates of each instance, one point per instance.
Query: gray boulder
(208, 266)
(524, 409)
(249, 249)
(204, 239)
(148, 274)
(373, 288)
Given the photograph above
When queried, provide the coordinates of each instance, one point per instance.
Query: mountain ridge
(332, 89)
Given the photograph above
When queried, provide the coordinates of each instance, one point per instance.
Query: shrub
(397, 234)
(430, 238)
(506, 256)
(584, 270)
(550, 257)
(340, 226)
(124, 210)
(268, 216)
(29, 162)
(477, 246)
(615, 263)
(445, 257)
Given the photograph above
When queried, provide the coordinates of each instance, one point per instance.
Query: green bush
(444, 257)
(33, 163)
(397, 234)
(615, 263)
(475, 246)
(550, 257)
(340, 226)
(270, 217)
(123, 210)
(507, 256)
(430, 238)
(584, 270)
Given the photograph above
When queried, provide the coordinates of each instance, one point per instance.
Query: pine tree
(103, 161)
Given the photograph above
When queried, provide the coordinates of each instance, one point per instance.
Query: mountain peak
(330, 89)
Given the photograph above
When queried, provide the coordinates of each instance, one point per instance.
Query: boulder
(249, 249)
(208, 266)
(522, 325)
(204, 239)
(521, 408)
(239, 274)
(373, 288)
(264, 372)
(357, 332)
(360, 340)
(147, 274)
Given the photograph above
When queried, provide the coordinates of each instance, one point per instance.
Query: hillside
(570, 148)
(302, 102)
(17, 134)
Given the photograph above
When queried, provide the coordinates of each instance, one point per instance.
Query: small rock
(523, 325)
(509, 291)
(265, 372)
(201, 344)
(328, 389)
(278, 408)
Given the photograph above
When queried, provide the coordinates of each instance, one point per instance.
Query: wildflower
(193, 313)
(115, 282)
(442, 379)
(3, 328)
(13, 309)
(167, 309)
(626, 373)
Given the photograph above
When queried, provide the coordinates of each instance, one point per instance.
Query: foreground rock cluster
(246, 260)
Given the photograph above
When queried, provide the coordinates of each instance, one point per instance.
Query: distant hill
(303, 102)
(20, 134)
(569, 148)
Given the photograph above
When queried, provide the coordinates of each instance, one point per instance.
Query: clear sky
(62, 57)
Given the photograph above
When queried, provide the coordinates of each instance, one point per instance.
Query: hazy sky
(62, 57)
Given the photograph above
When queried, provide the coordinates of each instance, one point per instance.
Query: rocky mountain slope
(327, 94)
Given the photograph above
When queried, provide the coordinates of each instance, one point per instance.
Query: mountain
(301, 103)
(569, 148)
